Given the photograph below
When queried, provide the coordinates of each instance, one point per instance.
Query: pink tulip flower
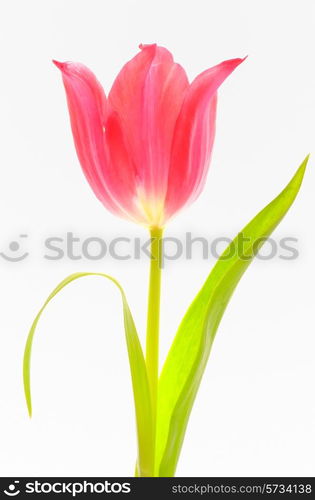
(145, 150)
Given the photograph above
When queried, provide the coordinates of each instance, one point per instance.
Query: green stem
(153, 318)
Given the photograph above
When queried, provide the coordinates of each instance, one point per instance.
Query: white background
(255, 411)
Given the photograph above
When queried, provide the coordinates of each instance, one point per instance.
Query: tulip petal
(121, 176)
(194, 136)
(147, 96)
(88, 107)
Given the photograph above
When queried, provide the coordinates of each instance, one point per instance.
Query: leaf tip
(297, 179)
(305, 162)
(29, 405)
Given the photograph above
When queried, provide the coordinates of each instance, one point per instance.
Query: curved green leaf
(187, 358)
(138, 374)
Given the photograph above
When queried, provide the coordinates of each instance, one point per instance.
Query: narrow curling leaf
(187, 358)
(138, 374)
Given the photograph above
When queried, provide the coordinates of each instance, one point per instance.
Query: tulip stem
(153, 318)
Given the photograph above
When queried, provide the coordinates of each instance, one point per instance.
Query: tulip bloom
(145, 150)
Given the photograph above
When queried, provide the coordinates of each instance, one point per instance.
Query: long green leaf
(187, 358)
(138, 374)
